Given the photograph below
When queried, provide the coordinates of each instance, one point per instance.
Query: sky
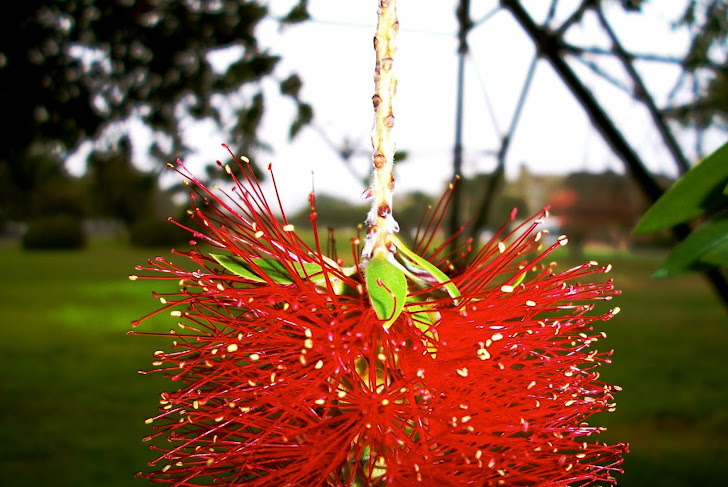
(333, 55)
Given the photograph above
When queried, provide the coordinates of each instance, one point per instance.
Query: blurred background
(595, 107)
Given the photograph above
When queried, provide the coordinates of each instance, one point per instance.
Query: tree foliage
(707, 54)
(117, 189)
(699, 195)
(71, 68)
(706, 60)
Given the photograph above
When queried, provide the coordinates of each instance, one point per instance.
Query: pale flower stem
(380, 220)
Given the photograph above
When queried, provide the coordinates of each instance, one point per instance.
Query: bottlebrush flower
(294, 370)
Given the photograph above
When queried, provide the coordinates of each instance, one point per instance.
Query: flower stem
(380, 220)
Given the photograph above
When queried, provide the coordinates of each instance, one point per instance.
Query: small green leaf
(699, 191)
(387, 288)
(350, 271)
(274, 269)
(423, 315)
(519, 280)
(424, 318)
(439, 276)
(362, 366)
(705, 245)
(309, 270)
(366, 453)
(237, 266)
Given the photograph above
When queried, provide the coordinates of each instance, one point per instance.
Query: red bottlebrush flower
(290, 373)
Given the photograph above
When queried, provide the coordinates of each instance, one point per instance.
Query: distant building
(600, 207)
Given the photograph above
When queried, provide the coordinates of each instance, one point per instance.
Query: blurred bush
(61, 231)
(155, 232)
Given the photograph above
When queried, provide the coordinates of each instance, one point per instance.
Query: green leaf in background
(706, 245)
(718, 254)
(424, 316)
(387, 288)
(699, 191)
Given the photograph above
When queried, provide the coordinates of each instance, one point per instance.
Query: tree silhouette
(708, 25)
(704, 65)
(117, 188)
(70, 69)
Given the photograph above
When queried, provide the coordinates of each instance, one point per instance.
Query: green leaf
(274, 269)
(237, 266)
(309, 270)
(422, 263)
(387, 288)
(708, 245)
(423, 314)
(717, 256)
(697, 192)
(424, 317)
(519, 280)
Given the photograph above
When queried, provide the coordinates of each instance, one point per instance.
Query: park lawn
(670, 343)
(73, 406)
(73, 403)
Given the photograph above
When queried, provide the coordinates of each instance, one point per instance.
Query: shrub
(153, 232)
(54, 232)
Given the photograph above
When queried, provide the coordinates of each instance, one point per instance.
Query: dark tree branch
(594, 67)
(485, 18)
(552, 12)
(463, 15)
(580, 50)
(698, 130)
(575, 17)
(676, 88)
(550, 46)
(496, 178)
(643, 94)
(481, 218)
(488, 103)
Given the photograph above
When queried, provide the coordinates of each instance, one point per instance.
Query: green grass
(670, 345)
(73, 407)
(73, 403)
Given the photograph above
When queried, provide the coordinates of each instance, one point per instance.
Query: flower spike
(417, 366)
(484, 375)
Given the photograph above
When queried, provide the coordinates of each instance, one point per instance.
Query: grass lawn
(73, 406)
